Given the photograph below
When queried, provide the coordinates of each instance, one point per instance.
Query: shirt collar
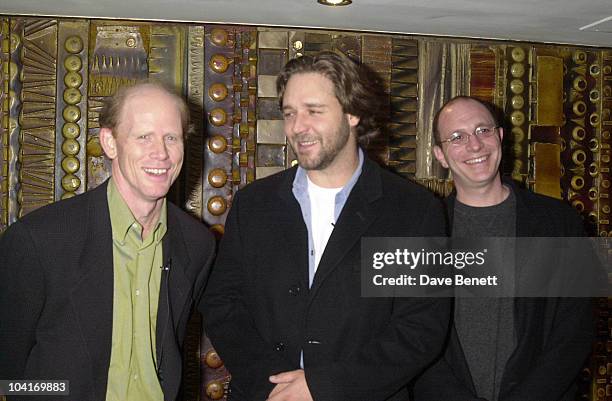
(122, 218)
(300, 182)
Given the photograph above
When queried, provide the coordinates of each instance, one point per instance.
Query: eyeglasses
(461, 138)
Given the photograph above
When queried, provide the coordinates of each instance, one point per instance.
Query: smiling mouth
(307, 143)
(477, 160)
(156, 171)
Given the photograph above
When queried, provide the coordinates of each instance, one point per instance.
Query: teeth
(156, 171)
(307, 143)
(477, 160)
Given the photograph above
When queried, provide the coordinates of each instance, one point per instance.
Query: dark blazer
(260, 313)
(56, 294)
(554, 335)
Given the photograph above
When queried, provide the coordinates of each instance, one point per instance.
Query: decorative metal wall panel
(14, 94)
(166, 65)
(296, 41)
(194, 149)
(118, 57)
(166, 54)
(5, 45)
(600, 69)
(517, 109)
(483, 73)
(245, 105)
(579, 142)
(603, 72)
(273, 153)
(70, 119)
(404, 106)
(547, 165)
(545, 122)
(443, 73)
(549, 93)
(54, 72)
(37, 115)
(271, 131)
(376, 54)
(219, 54)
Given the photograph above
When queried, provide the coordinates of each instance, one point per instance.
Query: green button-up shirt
(137, 263)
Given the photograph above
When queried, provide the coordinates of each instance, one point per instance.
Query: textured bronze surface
(217, 205)
(483, 73)
(547, 169)
(579, 138)
(166, 61)
(403, 107)
(273, 53)
(215, 390)
(271, 131)
(37, 116)
(14, 102)
(516, 153)
(212, 359)
(119, 57)
(4, 121)
(376, 54)
(219, 63)
(217, 177)
(218, 92)
(194, 150)
(98, 166)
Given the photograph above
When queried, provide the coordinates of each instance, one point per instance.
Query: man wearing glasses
(502, 349)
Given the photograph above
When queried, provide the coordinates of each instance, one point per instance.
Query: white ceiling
(556, 21)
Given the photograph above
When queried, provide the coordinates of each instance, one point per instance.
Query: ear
(440, 156)
(501, 134)
(108, 142)
(352, 120)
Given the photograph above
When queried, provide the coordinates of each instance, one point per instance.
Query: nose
(299, 123)
(474, 143)
(159, 149)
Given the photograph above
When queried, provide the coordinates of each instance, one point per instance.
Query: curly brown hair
(357, 89)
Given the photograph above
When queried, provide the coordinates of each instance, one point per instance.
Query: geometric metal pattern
(4, 121)
(194, 149)
(71, 118)
(37, 115)
(404, 106)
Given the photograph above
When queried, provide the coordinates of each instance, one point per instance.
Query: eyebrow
(479, 125)
(314, 104)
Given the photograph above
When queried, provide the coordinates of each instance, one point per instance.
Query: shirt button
(136, 376)
(137, 292)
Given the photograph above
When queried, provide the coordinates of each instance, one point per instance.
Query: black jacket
(56, 294)
(554, 335)
(260, 313)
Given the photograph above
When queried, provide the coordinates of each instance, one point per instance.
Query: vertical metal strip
(194, 150)
(5, 43)
(14, 93)
(71, 106)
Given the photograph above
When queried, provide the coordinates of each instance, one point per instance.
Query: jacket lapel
(356, 216)
(293, 231)
(93, 293)
(174, 286)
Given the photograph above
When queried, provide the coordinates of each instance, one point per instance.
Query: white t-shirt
(322, 208)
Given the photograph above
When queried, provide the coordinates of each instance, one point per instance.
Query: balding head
(448, 108)
(112, 112)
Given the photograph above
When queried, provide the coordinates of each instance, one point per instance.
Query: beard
(329, 149)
